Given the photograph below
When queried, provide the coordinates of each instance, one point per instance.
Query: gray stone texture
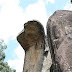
(59, 34)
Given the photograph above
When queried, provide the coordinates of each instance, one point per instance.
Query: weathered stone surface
(59, 31)
(47, 58)
(47, 63)
(32, 41)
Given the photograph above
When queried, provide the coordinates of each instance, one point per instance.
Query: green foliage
(4, 67)
(71, 1)
(2, 47)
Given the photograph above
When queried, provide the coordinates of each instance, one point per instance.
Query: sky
(13, 15)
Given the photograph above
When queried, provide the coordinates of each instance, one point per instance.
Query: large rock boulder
(59, 33)
(32, 39)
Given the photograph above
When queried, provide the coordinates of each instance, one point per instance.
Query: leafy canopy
(4, 67)
(71, 1)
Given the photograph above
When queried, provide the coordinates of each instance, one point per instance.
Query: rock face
(59, 33)
(47, 58)
(32, 39)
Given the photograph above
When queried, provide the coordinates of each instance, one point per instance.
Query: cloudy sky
(13, 15)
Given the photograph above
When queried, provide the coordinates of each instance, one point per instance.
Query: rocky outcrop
(59, 46)
(33, 42)
(47, 58)
(59, 34)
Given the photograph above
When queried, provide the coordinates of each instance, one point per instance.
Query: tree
(4, 65)
(71, 1)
